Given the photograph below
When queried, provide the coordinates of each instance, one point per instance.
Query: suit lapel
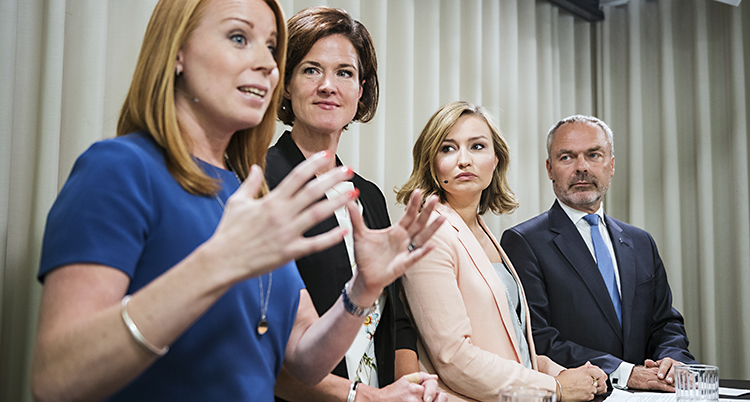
(571, 245)
(625, 256)
(484, 267)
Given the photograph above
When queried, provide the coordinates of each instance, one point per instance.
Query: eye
(345, 73)
(272, 49)
(309, 70)
(564, 158)
(446, 148)
(478, 147)
(238, 39)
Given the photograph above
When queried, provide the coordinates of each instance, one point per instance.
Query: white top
(360, 358)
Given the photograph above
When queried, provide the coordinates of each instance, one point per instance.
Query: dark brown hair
(314, 23)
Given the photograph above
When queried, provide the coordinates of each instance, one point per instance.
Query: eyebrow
(317, 64)
(249, 24)
(479, 137)
(570, 151)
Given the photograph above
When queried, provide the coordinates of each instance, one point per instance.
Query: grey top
(513, 292)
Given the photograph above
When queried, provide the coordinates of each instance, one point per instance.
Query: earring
(178, 71)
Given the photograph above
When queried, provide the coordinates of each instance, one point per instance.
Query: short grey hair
(579, 118)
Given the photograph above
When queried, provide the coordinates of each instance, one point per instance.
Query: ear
(178, 65)
(549, 170)
(287, 94)
(613, 165)
(361, 89)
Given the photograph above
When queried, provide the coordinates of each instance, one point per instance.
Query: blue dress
(121, 208)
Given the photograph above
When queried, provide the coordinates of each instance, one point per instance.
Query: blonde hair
(150, 103)
(497, 197)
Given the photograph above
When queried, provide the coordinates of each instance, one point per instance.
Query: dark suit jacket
(573, 318)
(326, 272)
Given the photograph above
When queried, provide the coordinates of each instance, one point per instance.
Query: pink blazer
(460, 309)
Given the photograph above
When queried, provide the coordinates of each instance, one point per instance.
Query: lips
(465, 176)
(582, 184)
(254, 91)
(326, 104)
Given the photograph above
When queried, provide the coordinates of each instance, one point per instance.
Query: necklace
(262, 326)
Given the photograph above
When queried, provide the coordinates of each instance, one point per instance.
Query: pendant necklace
(262, 326)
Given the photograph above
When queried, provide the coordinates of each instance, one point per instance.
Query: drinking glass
(526, 394)
(696, 382)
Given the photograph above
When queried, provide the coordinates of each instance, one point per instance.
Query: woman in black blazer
(330, 81)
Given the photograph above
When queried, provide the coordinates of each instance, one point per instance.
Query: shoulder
(532, 226)
(368, 189)
(281, 158)
(277, 166)
(639, 236)
(126, 151)
(119, 158)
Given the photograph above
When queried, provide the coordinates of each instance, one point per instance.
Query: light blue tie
(604, 261)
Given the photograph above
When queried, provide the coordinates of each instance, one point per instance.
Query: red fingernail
(347, 170)
(324, 154)
(353, 193)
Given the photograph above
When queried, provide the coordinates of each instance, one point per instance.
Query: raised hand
(256, 235)
(384, 255)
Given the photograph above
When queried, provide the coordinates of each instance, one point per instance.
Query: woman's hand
(384, 255)
(257, 235)
(414, 387)
(582, 383)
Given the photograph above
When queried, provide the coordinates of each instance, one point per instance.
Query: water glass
(526, 394)
(696, 382)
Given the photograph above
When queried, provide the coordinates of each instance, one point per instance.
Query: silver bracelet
(352, 391)
(352, 308)
(137, 335)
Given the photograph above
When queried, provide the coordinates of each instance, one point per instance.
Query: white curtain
(673, 85)
(669, 77)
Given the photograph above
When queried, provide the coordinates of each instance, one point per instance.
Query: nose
(582, 165)
(263, 60)
(326, 84)
(464, 159)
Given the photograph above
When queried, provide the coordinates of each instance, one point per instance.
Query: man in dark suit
(596, 287)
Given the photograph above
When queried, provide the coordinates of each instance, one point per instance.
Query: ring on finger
(412, 246)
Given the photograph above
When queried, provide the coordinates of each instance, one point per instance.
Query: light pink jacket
(465, 327)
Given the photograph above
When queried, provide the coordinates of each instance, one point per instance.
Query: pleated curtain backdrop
(668, 76)
(673, 85)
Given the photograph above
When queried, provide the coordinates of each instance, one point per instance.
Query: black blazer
(326, 272)
(573, 318)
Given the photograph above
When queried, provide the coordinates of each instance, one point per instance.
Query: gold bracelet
(137, 335)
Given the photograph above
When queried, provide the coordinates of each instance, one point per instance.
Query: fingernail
(428, 399)
(322, 154)
(347, 170)
(353, 193)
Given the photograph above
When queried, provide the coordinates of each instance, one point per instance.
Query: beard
(581, 199)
